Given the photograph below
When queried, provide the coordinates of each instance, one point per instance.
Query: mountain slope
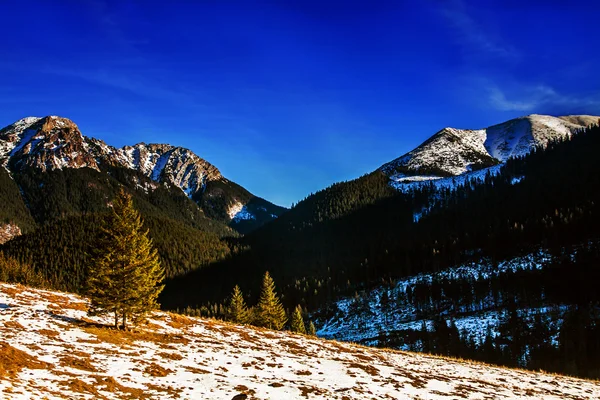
(456, 151)
(54, 143)
(51, 349)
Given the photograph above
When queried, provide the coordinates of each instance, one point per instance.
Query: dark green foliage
(61, 249)
(12, 206)
(297, 324)
(237, 311)
(219, 195)
(264, 212)
(269, 311)
(12, 271)
(125, 274)
(72, 192)
(356, 234)
(311, 330)
(337, 242)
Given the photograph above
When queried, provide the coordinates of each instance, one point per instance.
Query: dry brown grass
(82, 363)
(369, 369)
(13, 360)
(196, 371)
(178, 321)
(65, 302)
(305, 391)
(12, 291)
(78, 386)
(109, 384)
(303, 373)
(13, 325)
(48, 332)
(120, 338)
(156, 370)
(170, 356)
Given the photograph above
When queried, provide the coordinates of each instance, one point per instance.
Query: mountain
(452, 151)
(343, 251)
(54, 143)
(51, 348)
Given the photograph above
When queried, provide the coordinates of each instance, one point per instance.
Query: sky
(287, 97)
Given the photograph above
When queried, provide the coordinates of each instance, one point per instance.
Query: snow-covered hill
(452, 152)
(53, 143)
(50, 349)
(366, 319)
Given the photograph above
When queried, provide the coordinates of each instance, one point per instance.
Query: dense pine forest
(359, 235)
(352, 238)
(61, 213)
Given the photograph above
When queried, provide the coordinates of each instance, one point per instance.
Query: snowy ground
(366, 327)
(50, 349)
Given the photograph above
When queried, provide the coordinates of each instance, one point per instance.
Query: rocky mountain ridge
(54, 143)
(452, 152)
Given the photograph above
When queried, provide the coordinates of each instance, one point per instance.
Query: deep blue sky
(286, 97)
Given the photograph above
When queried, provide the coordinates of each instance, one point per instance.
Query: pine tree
(297, 324)
(125, 275)
(237, 310)
(270, 313)
(311, 330)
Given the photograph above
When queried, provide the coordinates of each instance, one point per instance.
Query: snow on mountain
(239, 212)
(366, 326)
(50, 348)
(452, 152)
(53, 143)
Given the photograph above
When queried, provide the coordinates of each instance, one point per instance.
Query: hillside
(360, 238)
(51, 349)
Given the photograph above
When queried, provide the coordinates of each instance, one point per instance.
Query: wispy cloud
(472, 35)
(541, 98)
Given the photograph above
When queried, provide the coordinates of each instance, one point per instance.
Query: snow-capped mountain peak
(54, 142)
(452, 151)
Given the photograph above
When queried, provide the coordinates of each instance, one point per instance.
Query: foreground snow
(50, 349)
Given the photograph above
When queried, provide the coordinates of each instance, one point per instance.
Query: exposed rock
(8, 231)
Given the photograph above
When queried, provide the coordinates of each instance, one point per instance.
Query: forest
(356, 236)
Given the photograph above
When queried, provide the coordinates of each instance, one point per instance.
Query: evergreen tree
(311, 330)
(237, 310)
(270, 311)
(297, 324)
(125, 275)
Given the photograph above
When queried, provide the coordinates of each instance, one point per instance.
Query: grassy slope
(49, 348)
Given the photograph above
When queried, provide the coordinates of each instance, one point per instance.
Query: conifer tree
(237, 310)
(125, 275)
(297, 324)
(270, 313)
(311, 330)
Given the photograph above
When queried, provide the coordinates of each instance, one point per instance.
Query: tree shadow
(77, 321)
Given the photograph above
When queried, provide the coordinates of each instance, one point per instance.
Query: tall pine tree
(124, 278)
(237, 310)
(311, 330)
(270, 313)
(297, 324)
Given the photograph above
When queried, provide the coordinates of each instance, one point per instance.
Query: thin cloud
(472, 35)
(541, 97)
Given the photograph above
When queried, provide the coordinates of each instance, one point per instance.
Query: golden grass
(120, 337)
(13, 360)
(156, 370)
(82, 363)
